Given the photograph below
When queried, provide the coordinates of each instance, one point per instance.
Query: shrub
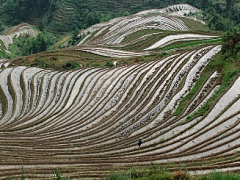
(109, 63)
(165, 176)
(72, 65)
(154, 168)
(136, 173)
(57, 175)
(181, 175)
(117, 176)
(40, 63)
(163, 54)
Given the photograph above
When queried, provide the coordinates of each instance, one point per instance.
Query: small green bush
(117, 176)
(136, 173)
(109, 63)
(163, 54)
(165, 176)
(72, 65)
(40, 63)
(181, 175)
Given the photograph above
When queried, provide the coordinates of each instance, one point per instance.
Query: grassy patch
(140, 59)
(62, 60)
(117, 176)
(194, 43)
(155, 172)
(139, 34)
(178, 175)
(153, 38)
(193, 25)
(2, 46)
(219, 176)
(190, 96)
(5, 55)
(60, 42)
(140, 45)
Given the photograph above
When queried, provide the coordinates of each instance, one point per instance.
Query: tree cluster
(231, 43)
(24, 46)
(16, 11)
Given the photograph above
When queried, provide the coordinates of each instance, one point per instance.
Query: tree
(205, 4)
(229, 4)
(1, 26)
(231, 42)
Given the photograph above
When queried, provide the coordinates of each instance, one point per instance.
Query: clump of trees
(223, 18)
(26, 45)
(231, 47)
(17, 11)
(1, 26)
(231, 43)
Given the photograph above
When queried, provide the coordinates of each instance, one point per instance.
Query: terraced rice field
(116, 30)
(146, 30)
(21, 30)
(87, 122)
(111, 52)
(176, 38)
(63, 17)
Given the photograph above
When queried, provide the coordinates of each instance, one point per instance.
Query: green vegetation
(163, 54)
(117, 176)
(145, 43)
(22, 173)
(72, 65)
(109, 63)
(64, 60)
(227, 64)
(153, 38)
(195, 43)
(150, 173)
(15, 12)
(26, 45)
(219, 176)
(1, 26)
(66, 16)
(164, 174)
(6, 55)
(231, 44)
(139, 34)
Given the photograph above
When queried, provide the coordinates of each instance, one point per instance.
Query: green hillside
(68, 15)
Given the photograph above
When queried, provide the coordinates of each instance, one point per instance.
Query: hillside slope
(87, 121)
(168, 85)
(172, 18)
(17, 31)
(62, 16)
